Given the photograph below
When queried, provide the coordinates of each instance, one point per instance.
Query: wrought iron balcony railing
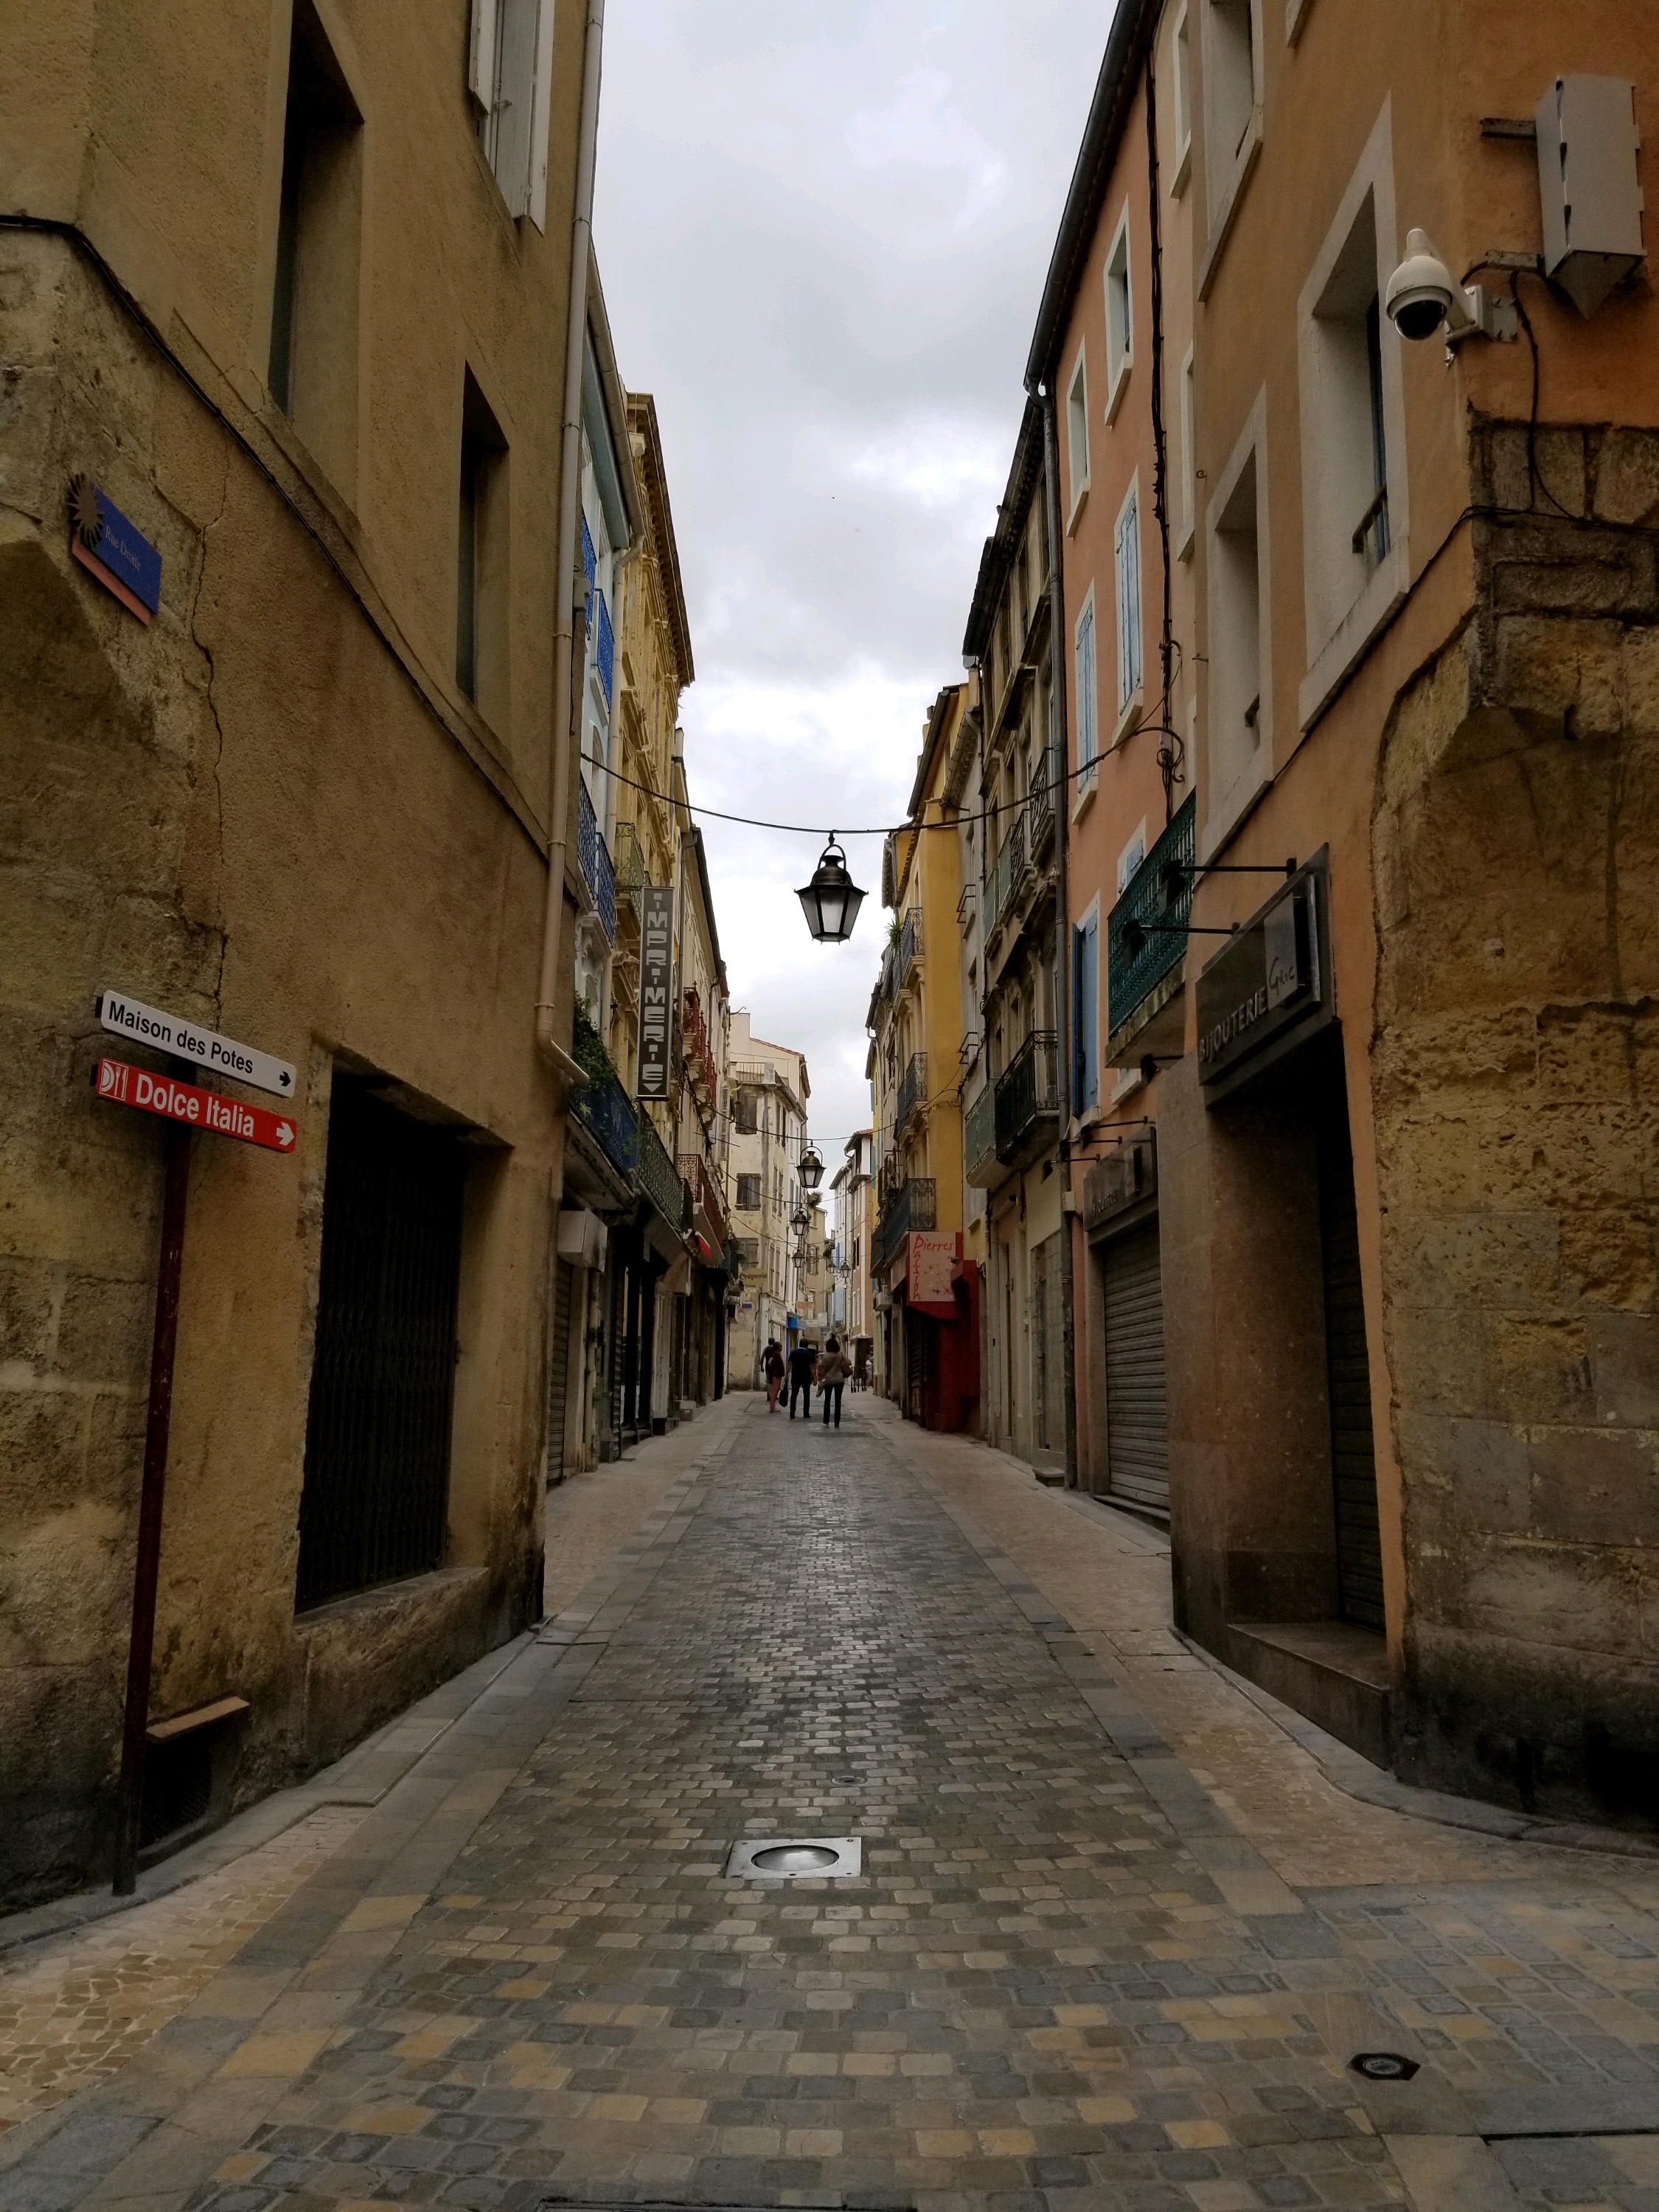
(1040, 819)
(909, 947)
(596, 871)
(979, 1133)
(914, 1206)
(1146, 930)
(603, 1106)
(1027, 1101)
(912, 1092)
(659, 1179)
(630, 859)
(1018, 857)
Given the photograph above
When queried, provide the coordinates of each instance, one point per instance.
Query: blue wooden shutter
(1085, 1014)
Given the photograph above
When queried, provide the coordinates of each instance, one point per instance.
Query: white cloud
(823, 233)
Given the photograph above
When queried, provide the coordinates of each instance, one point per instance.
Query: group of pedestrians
(804, 1369)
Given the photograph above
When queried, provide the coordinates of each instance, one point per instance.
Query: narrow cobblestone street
(1116, 1938)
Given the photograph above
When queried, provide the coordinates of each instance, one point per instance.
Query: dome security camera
(1421, 291)
(1424, 297)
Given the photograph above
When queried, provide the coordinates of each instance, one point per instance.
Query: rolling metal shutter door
(1137, 1431)
(558, 1369)
(1353, 1462)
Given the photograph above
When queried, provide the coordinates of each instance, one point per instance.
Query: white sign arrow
(285, 1135)
(244, 1063)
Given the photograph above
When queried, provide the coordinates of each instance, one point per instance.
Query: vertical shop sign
(656, 963)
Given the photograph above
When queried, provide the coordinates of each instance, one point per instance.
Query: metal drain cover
(1384, 2065)
(794, 1858)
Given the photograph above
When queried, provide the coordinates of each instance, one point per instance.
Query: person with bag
(773, 1368)
(833, 1371)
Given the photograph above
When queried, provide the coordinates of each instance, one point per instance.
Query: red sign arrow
(192, 1103)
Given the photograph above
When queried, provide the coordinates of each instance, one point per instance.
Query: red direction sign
(127, 1085)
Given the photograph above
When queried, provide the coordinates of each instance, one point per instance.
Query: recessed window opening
(509, 76)
(481, 570)
(313, 368)
(1120, 333)
(1351, 445)
(1077, 429)
(1088, 738)
(1235, 639)
(1086, 1012)
(1181, 55)
(1127, 559)
(373, 1505)
(1188, 456)
(1231, 91)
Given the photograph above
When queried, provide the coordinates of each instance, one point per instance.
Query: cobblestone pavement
(73, 2010)
(1073, 1974)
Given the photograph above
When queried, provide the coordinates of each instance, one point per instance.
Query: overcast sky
(823, 230)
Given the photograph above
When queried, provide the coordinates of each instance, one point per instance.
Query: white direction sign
(132, 1018)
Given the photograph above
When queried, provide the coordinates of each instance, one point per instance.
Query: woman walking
(833, 1371)
(772, 1367)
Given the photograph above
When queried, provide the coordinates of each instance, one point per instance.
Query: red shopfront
(941, 1333)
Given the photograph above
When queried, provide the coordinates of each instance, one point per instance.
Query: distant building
(768, 1089)
(929, 1301)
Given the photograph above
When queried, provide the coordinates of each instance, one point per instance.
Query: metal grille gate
(1354, 1462)
(1137, 1427)
(382, 1384)
(558, 1369)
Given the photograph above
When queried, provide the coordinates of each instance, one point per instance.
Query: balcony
(602, 1106)
(981, 1165)
(706, 1199)
(1028, 1103)
(630, 861)
(912, 1092)
(699, 1059)
(909, 948)
(596, 871)
(914, 1206)
(1040, 820)
(1146, 930)
(1007, 876)
(659, 1179)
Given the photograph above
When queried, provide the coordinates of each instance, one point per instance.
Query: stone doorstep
(1332, 1671)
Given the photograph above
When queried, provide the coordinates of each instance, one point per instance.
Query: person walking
(833, 1371)
(773, 1368)
(803, 1369)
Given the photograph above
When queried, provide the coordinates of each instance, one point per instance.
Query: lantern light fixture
(831, 900)
(812, 1167)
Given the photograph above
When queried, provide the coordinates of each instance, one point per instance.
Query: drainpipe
(582, 234)
(1062, 929)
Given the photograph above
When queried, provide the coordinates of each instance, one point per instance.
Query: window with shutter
(749, 1197)
(1087, 743)
(509, 75)
(1085, 1014)
(1128, 601)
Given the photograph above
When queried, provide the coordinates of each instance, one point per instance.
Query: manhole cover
(791, 1858)
(1384, 2065)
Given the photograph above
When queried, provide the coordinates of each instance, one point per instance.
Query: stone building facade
(1399, 1113)
(290, 306)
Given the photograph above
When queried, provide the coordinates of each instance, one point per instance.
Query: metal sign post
(146, 1567)
(185, 1105)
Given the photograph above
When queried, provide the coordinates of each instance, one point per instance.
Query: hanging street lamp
(812, 1162)
(831, 900)
(798, 1220)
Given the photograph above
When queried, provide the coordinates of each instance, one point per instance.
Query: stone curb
(366, 1773)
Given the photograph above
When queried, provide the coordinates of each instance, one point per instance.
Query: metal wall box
(1589, 185)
